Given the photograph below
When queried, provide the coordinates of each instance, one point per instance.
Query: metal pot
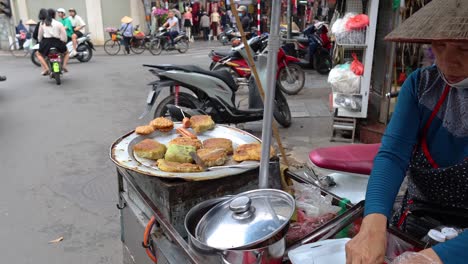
(246, 229)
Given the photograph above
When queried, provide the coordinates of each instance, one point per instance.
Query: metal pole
(273, 46)
(258, 17)
(289, 17)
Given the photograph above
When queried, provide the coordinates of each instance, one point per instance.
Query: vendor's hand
(427, 256)
(369, 245)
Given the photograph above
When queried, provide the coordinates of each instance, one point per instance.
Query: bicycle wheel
(137, 46)
(112, 47)
(15, 51)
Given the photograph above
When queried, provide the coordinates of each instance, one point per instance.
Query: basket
(114, 36)
(139, 35)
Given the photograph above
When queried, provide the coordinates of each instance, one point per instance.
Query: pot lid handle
(241, 207)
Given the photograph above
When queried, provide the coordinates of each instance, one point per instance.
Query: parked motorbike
(315, 41)
(162, 42)
(228, 34)
(290, 75)
(2, 78)
(55, 60)
(84, 50)
(214, 95)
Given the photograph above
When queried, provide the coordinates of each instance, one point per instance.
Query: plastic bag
(356, 66)
(350, 102)
(343, 80)
(396, 247)
(357, 22)
(413, 258)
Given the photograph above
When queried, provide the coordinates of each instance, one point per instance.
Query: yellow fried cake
(250, 152)
(149, 149)
(186, 141)
(223, 143)
(169, 166)
(162, 124)
(212, 157)
(144, 130)
(201, 123)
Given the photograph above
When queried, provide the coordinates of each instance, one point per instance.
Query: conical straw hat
(126, 19)
(30, 22)
(443, 20)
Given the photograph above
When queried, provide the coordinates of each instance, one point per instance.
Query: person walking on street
(215, 18)
(172, 25)
(126, 30)
(245, 19)
(205, 25)
(78, 28)
(188, 22)
(66, 23)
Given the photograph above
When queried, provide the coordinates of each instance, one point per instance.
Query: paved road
(56, 176)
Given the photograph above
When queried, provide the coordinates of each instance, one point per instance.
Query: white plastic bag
(413, 258)
(343, 80)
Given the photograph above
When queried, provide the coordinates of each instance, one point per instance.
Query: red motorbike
(290, 75)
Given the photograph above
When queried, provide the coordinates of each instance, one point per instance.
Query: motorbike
(214, 94)
(2, 78)
(162, 41)
(290, 75)
(55, 60)
(228, 34)
(314, 40)
(84, 50)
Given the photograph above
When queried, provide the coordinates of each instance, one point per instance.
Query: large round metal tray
(122, 153)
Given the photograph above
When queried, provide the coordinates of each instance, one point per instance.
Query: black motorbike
(302, 45)
(228, 34)
(161, 41)
(210, 93)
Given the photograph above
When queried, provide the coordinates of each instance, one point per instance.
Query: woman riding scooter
(427, 138)
(52, 34)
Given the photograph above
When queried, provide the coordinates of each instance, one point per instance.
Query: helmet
(72, 9)
(242, 9)
(61, 10)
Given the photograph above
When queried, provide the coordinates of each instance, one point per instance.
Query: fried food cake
(149, 149)
(162, 124)
(201, 123)
(186, 141)
(144, 130)
(169, 166)
(212, 157)
(250, 152)
(222, 143)
(178, 153)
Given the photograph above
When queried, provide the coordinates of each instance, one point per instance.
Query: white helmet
(61, 10)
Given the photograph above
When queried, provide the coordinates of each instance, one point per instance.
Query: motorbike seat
(356, 158)
(223, 75)
(302, 40)
(223, 54)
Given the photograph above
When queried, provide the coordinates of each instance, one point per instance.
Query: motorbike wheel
(185, 100)
(223, 39)
(155, 47)
(112, 47)
(291, 84)
(183, 45)
(56, 76)
(281, 111)
(34, 59)
(84, 48)
(322, 62)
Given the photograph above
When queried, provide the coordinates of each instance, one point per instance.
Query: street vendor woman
(427, 141)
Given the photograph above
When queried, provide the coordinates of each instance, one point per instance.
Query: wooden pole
(253, 68)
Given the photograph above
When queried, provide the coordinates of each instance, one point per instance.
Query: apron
(435, 195)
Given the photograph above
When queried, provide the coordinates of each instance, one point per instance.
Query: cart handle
(146, 239)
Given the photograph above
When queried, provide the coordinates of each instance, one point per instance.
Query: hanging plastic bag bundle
(343, 80)
(356, 66)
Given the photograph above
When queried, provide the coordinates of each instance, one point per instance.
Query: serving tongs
(243, 165)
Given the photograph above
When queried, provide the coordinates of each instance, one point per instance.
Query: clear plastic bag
(413, 258)
(396, 247)
(350, 102)
(343, 80)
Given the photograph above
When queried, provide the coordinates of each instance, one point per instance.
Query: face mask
(240, 14)
(463, 84)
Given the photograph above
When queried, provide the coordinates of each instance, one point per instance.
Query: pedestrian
(126, 30)
(245, 19)
(215, 19)
(31, 28)
(22, 32)
(205, 25)
(188, 23)
(224, 18)
(426, 144)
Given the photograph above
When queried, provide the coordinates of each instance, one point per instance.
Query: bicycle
(21, 51)
(138, 43)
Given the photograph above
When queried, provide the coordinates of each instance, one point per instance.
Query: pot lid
(246, 220)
